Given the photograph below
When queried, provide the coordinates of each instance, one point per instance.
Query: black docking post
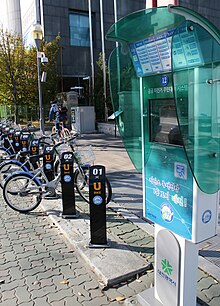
(48, 162)
(97, 198)
(67, 183)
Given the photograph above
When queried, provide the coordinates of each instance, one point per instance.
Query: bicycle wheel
(3, 154)
(65, 133)
(22, 192)
(82, 185)
(53, 130)
(9, 167)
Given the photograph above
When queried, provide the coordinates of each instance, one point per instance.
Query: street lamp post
(38, 36)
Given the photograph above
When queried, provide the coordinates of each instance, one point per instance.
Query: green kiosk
(165, 86)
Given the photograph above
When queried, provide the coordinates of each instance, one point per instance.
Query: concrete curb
(111, 265)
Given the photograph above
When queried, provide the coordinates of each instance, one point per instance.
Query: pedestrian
(54, 114)
(63, 115)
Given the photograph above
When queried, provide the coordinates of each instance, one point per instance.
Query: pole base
(146, 298)
(100, 246)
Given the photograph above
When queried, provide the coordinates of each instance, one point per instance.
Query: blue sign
(164, 80)
(207, 216)
(97, 200)
(67, 178)
(169, 185)
(48, 166)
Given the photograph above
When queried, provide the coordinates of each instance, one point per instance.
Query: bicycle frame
(48, 184)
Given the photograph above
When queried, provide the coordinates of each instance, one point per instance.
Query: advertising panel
(169, 185)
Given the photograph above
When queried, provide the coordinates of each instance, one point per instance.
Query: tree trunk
(17, 119)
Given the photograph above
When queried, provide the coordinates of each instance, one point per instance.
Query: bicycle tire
(9, 167)
(53, 130)
(16, 193)
(82, 186)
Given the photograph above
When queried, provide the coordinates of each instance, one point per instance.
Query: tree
(18, 72)
(12, 66)
(100, 102)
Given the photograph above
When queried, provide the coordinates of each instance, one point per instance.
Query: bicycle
(83, 159)
(32, 187)
(9, 148)
(62, 131)
(24, 161)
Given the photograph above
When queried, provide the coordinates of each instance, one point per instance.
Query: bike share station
(171, 57)
(97, 195)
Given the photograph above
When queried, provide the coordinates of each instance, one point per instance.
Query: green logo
(166, 267)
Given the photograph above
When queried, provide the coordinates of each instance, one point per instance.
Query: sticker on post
(206, 216)
(67, 178)
(48, 166)
(180, 170)
(166, 212)
(97, 200)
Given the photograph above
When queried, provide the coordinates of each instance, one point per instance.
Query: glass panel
(79, 30)
(125, 94)
(143, 24)
(196, 77)
(124, 83)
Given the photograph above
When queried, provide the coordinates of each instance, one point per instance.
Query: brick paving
(38, 266)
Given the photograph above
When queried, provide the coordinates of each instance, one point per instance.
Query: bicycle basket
(85, 155)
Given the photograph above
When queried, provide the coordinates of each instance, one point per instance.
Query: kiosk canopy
(185, 46)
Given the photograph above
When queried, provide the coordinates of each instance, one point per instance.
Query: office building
(70, 19)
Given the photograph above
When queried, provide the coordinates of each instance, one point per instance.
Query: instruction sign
(153, 54)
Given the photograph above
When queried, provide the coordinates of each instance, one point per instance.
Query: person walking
(54, 114)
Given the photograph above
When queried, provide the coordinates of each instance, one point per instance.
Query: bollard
(67, 184)
(17, 141)
(97, 207)
(48, 162)
(34, 150)
(24, 143)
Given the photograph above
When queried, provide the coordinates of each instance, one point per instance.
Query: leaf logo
(166, 267)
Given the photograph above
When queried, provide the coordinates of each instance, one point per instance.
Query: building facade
(10, 16)
(70, 19)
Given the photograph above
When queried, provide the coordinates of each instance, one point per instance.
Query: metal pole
(103, 59)
(118, 62)
(37, 5)
(38, 42)
(40, 95)
(91, 46)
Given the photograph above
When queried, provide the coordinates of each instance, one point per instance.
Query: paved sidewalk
(42, 263)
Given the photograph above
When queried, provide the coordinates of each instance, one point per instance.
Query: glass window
(163, 122)
(79, 29)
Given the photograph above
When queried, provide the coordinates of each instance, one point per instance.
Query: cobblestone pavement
(39, 267)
